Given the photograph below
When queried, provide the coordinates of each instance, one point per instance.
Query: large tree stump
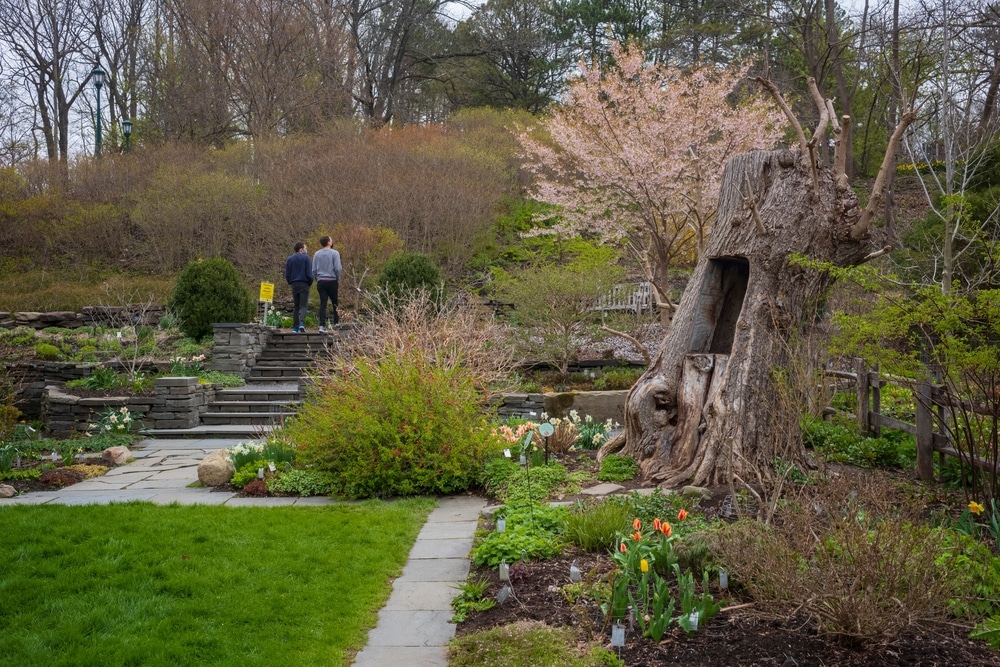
(709, 404)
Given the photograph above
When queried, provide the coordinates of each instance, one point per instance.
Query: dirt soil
(740, 635)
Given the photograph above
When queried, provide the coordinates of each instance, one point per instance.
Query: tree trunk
(709, 405)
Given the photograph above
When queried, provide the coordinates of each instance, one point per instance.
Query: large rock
(216, 469)
(7, 491)
(116, 455)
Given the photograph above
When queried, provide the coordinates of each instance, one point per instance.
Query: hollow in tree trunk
(709, 404)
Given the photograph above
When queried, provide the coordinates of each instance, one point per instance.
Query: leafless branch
(875, 200)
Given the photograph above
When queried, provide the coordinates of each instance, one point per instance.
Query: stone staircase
(274, 388)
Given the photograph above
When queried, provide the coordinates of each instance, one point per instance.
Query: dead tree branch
(632, 339)
(875, 200)
(776, 94)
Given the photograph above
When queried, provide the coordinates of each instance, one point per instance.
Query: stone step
(243, 418)
(265, 392)
(255, 407)
(272, 372)
(300, 361)
(241, 431)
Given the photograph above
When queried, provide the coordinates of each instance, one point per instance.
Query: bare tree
(43, 43)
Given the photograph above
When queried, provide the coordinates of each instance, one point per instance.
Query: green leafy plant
(617, 378)
(399, 425)
(532, 532)
(470, 599)
(617, 468)
(227, 380)
(988, 631)
(248, 472)
(594, 526)
(300, 482)
(47, 352)
(210, 291)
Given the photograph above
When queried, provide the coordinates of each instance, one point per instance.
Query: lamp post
(97, 74)
(127, 131)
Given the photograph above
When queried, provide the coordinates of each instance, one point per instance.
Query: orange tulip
(623, 548)
(637, 524)
(682, 514)
(637, 536)
(666, 529)
(656, 524)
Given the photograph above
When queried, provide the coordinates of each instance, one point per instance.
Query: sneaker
(322, 329)
(302, 329)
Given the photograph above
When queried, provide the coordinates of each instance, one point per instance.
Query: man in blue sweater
(298, 274)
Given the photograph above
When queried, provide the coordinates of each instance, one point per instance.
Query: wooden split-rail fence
(933, 403)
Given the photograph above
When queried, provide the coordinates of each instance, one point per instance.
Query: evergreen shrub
(396, 426)
(210, 291)
(408, 272)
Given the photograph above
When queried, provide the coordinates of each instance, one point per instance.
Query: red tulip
(656, 524)
(682, 514)
(623, 548)
(637, 524)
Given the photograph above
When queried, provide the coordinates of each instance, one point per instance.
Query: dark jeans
(300, 299)
(327, 290)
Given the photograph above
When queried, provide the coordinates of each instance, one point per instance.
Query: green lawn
(139, 584)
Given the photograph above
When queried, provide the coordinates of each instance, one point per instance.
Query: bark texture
(709, 404)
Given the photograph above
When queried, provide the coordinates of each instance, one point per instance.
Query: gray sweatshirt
(326, 264)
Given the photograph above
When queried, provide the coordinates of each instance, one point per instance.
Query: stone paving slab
(434, 530)
(455, 548)
(460, 508)
(317, 501)
(402, 656)
(421, 596)
(189, 497)
(436, 569)
(412, 628)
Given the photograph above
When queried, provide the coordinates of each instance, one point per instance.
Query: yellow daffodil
(976, 508)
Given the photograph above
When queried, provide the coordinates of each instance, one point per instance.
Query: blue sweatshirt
(298, 269)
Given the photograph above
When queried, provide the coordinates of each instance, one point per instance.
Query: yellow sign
(267, 292)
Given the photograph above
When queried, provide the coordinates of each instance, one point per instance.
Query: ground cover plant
(140, 584)
(866, 579)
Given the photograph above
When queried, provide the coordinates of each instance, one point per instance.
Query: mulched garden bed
(743, 636)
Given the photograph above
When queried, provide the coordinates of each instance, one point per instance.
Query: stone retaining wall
(235, 347)
(178, 403)
(91, 315)
(601, 405)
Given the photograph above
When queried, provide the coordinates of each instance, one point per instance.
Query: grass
(139, 584)
(528, 643)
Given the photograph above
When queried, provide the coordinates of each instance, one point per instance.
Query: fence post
(925, 431)
(862, 385)
(876, 388)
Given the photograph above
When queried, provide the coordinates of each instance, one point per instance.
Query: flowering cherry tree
(635, 154)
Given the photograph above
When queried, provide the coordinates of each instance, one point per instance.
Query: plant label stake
(270, 466)
(618, 635)
(501, 525)
(55, 457)
(504, 571)
(504, 594)
(545, 430)
(260, 473)
(723, 579)
(506, 453)
(693, 619)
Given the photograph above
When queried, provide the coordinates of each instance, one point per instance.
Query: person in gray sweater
(326, 270)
